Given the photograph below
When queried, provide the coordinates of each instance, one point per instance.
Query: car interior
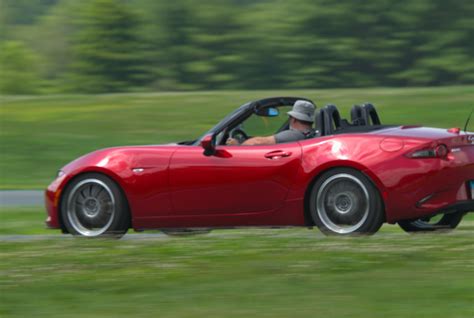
(328, 121)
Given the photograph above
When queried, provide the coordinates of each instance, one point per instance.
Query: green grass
(229, 273)
(242, 273)
(30, 220)
(235, 273)
(23, 221)
(38, 135)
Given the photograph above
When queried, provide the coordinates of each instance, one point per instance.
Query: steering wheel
(239, 134)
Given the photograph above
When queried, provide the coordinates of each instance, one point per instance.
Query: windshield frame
(246, 110)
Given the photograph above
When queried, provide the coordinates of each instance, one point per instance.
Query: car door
(236, 179)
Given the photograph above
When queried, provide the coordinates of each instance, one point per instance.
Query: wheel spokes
(91, 207)
(343, 203)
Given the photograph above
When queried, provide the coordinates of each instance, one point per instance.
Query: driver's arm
(270, 140)
(281, 137)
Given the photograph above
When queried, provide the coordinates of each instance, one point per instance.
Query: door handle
(277, 154)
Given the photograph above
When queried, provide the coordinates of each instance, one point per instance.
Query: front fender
(146, 189)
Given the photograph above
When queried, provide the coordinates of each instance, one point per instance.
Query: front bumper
(52, 198)
(52, 219)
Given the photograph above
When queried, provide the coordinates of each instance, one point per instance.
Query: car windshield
(257, 125)
(219, 125)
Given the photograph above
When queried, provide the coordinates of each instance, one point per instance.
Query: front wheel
(93, 206)
(345, 202)
(441, 222)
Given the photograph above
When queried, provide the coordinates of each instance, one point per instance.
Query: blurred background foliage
(96, 46)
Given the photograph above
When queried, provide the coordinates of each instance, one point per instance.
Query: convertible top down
(349, 177)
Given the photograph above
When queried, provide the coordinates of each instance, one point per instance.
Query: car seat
(364, 115)
(357, 118)
(328, 120)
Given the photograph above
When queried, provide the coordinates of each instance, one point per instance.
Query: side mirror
(208, 144)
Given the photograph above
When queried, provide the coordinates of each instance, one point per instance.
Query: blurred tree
(18, 69)
(219, 40)
(444, 52)
(17, 13)
(173, 44)
(107, 45)
(107, 51)
(51, 38)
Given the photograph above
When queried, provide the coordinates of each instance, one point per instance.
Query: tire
(185, 232)
(345, 202)
(93, 205)
(441, 223)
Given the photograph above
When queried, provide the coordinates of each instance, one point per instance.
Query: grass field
(228, 273)
(41, 134)
(30, 221)
(237, 273)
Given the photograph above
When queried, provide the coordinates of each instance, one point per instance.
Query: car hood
(121, 157)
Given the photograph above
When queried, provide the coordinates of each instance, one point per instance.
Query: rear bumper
(426, 187)
(462, 206)
(458, 207)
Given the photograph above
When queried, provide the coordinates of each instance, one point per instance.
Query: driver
(301, 122)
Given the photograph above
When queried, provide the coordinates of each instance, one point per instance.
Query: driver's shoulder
(290, 132)
(289, 135)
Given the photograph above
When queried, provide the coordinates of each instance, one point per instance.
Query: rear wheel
(93, 206)
(441, 222)
(345, 202)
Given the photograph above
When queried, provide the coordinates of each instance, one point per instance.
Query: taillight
(440, 151)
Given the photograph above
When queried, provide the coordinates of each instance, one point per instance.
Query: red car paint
(177, 186)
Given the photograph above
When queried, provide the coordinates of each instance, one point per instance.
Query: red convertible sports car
(348, 177)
